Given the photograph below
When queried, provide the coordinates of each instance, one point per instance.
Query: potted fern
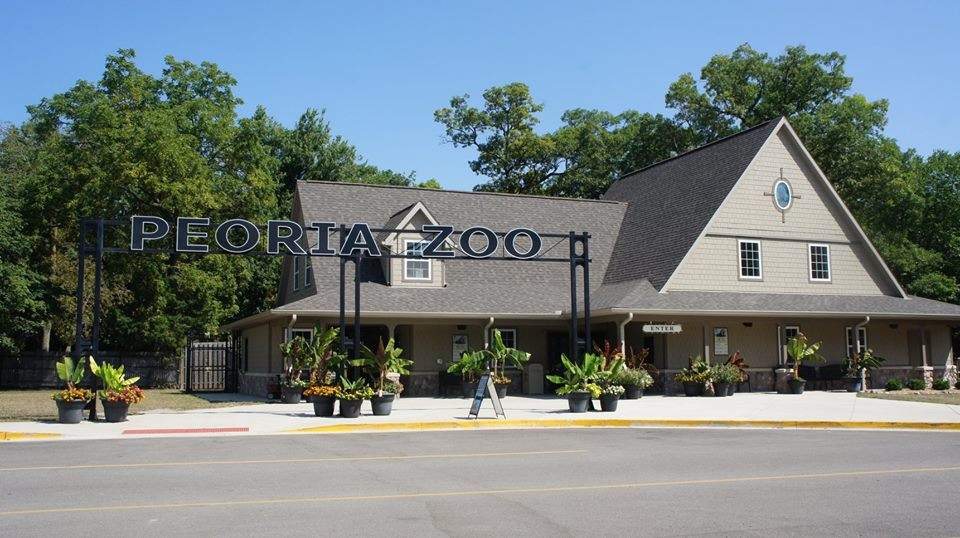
(801, 351)
(578, 382)
(351, 395)
(118, 392)
(386, 359)
(72, 400)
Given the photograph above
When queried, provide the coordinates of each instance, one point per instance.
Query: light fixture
(748, 324)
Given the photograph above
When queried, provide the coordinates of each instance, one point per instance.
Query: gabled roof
(401, 219)
(671, 202)
(484, 287)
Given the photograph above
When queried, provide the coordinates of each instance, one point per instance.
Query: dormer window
(414, 269)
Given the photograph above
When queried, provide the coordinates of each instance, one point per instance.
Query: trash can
(533, 379)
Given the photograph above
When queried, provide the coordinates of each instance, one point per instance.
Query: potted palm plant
(857, 367)
(470, 365)
(801, 351)
(351, 395)
(386, 359)
(578, 382)
(499, 356)
(72, 400)
(323, 361)
(296, 357)
(118, 392)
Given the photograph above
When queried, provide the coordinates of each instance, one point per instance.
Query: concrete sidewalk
(812, 409)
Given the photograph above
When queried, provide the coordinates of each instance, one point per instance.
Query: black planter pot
(721, 389)
(70, 411)
(323, 405)
(608, 402)
(290, 395)
(692, 388)
(854, 384)
(578, 401)
(115, 411)
(631, 392)
(350, 408)
(382, 405)
(501, 390)
(468, 388)
(796, 386)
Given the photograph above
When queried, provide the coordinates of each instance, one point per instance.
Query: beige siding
(396, 272)
(258, 342)
(749, 213)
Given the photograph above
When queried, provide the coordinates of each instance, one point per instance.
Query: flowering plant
(72, 395)
(616, 390)
(354, 390)
(129, 395)
(320, 391)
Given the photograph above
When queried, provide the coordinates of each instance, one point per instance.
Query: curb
(623, 423)
(20, 436)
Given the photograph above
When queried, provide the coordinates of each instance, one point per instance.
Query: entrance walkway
(836, 408)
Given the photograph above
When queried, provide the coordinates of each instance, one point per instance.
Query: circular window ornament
(782, 195)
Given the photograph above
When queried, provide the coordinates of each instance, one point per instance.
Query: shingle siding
(750, 213)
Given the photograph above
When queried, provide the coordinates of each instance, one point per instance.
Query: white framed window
(790, 332)
(862, 336)
(749, 255)
(414, 269)
(819, 262)
(307, 273)
(297, 262)
(509, 337)
(307, 334)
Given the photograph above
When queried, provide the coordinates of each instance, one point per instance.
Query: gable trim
(726, 199)
(417, 207)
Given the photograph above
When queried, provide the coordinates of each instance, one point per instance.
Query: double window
(414, 269)
(819, 262)
(851, 345)
(751, 266)
(302, 272)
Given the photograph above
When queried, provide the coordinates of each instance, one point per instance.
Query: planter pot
(631, 392)
(350, 408)
(731, 389)
(115, 411)
(578, 401)
(290, 395)
(323, 405)
(796, 386)
(501, 390)
(608, 402)
(468, 388)
(70, 411)
(854, 384)
(721, 389)
(692, 388)
(382, 405)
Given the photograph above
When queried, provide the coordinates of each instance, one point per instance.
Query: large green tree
(170, 145)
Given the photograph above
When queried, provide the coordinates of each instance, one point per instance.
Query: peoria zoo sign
(239, 236)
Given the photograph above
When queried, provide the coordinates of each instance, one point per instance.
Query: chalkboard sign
(486, 386)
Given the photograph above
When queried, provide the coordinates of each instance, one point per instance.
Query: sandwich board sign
(485, 386)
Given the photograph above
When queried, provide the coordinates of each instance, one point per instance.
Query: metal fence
(37, 369)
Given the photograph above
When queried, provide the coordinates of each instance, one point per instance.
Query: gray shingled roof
(481, 287)
(640, 296)
(672, 201)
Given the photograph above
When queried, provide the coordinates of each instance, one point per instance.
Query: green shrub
(916, 384)
(726, 373)
(941, 384)
(894, 384)
(635, 376)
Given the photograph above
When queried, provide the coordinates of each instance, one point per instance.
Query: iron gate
(210, 367)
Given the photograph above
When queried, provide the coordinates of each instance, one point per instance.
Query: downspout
(856, 340)
(486, 333)
(622, 333)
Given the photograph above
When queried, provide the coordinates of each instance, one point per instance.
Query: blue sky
(380, 69)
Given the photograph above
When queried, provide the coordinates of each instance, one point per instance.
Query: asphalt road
(597, 482)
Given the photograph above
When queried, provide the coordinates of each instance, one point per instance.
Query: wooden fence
(37, 369)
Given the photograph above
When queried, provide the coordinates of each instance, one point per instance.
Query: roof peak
(704, 146)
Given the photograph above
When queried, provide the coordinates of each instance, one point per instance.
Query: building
(738, 244)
